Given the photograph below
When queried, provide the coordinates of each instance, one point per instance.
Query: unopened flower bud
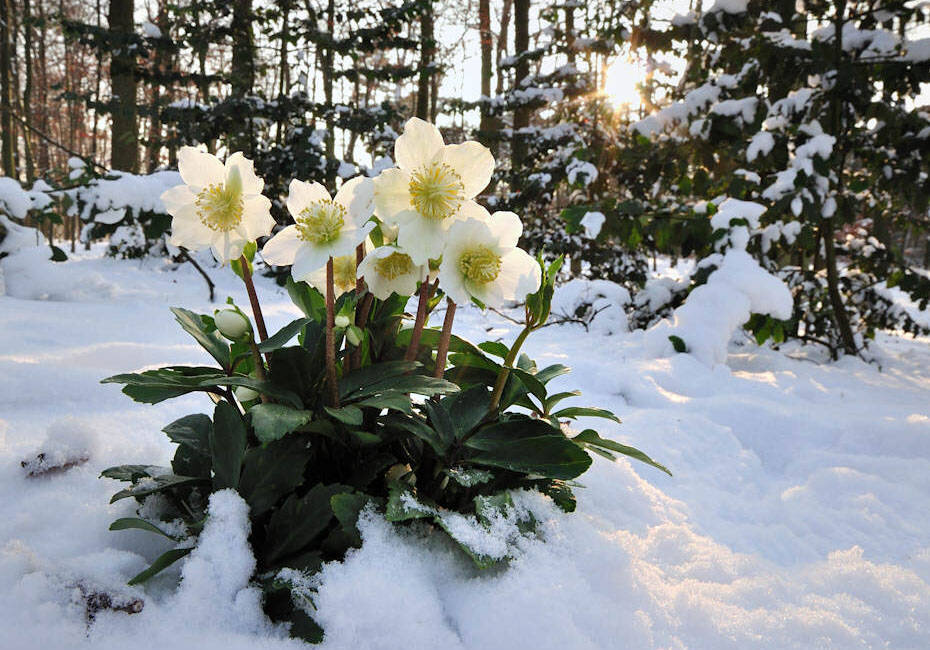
(245, 394)
(342, 321)
(232, 324)
(353, 336)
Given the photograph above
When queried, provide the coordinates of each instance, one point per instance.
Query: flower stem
(418, 324)
(361, 320)
(505, 371)
(359, 281)
(443, 349)
(331, 337)
(259, 367)
(253, 299)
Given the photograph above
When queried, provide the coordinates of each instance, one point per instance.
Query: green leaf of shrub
(128, 523)
(161, 563)
(274, 421)
(299, 521)
(573, 412)
(227, 446)
(590, 438)
(271, 472)
(193, 431)
(527, 446)
(212, 342)
(283, 336)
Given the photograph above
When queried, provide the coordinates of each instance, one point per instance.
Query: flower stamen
(219, 207)
(321, 222)
(394, 265)
(436, 191)
(480, 265)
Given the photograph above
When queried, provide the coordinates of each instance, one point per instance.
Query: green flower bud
(232, 324)
(342, 321)
(353, 336)
(244, 394)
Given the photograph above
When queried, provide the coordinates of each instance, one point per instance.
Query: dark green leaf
(161, 563)
(211, 341)
(132, 472)
(390, 399)
(496, 348)
(158, 484)
(227, 446)
(358, 380)
(283, 336)
(589, 437)
(271, 472)
(678, 343)
(193, 431)
(573, 412)
(299, 521)
(349, 414)
(274, 421)
(346, 507)
(402, 505)
(127, 523)
(528, 446)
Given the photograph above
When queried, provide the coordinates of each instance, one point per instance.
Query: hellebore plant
(361, 412)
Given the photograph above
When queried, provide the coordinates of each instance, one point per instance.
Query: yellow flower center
(321, 222)
(394, 265)
(219, 207)
(344, 273)
(436, 191)
(480, 265)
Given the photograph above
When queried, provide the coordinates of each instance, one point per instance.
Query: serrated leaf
(527, 446)
(193, 431)
(589, 437)
(212, 342)
(274, 421)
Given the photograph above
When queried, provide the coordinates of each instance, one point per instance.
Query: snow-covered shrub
(361, 414)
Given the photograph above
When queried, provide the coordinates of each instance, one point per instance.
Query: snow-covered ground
(796, 518)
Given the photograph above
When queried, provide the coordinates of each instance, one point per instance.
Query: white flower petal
(281, 249)
(308, 260)
(507, 227)
(423, 240)
(357, 195)
(418, 144)
(490, 293)
(518, 264)
(472, 210)
(391, 194)
(256, 216)
(452, 282)
(245, 169)
(227, 246)
(188, 231)
(300, 194)
(177, 197)
(199, 169)
(473, 162)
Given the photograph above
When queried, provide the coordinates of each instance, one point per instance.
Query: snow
(715, 310)
(583, 169)
(729, 6)
(592, 222)
(761, 143)
(14, 201)
(796, 517)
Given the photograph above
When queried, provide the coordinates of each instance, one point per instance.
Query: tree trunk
(284, 70)
(427, 45)
(124, 143)
(841, 317)
(243, 67)
(486, 128)
(7, 140)
(521, 44)
(27, 91)
(43, 163)
(328, 92)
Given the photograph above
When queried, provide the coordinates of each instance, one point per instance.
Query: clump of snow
(729, 6)
(592, 222)
(599, 303)
(13, 199)
(215, 580)
(580, 170)
(761, 143)
(715, 310)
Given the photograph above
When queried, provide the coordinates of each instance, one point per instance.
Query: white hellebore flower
(482, 261)
(431, 188)
(219, 207)
(325, 227)
(344, 277)
(388, 269)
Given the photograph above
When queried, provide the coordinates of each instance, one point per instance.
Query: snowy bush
(361, 415)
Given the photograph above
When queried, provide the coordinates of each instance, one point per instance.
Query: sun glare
(621, 83)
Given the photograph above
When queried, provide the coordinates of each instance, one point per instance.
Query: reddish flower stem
(420, 321)
(442, 350)
(253, 299)
(331, 337)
